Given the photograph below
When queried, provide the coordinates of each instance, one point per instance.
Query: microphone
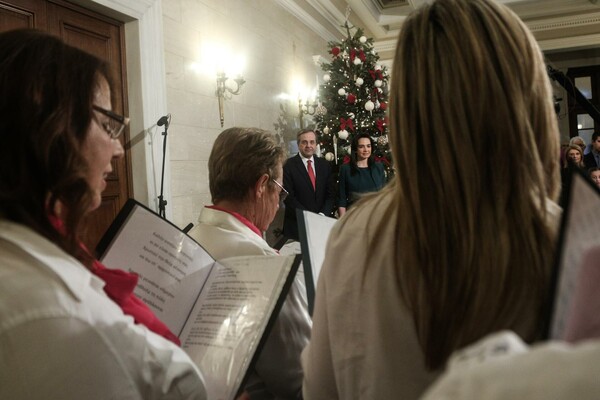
(164, 120)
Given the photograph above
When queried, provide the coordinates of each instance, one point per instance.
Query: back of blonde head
(475, 143)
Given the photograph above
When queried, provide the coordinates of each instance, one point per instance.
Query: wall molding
(146, 84)
(303, 16)
(567, 22)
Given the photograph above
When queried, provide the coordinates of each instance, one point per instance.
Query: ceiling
(558, 25)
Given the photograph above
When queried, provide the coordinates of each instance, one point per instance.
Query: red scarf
(119, 287)
(240, 218)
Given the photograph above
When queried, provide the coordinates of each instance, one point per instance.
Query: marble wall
(277, 48)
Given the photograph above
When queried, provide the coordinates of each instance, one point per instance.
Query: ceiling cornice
(299, 12)
(562, 24)
(571, 43)
(566, 22)
(330, 12)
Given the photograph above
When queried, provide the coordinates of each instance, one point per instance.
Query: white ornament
(359, 81)
(380, 90)
(351, 115)
(377, 104)
(378, 83)
(342, 92)
(357, 61)
(369, 105)
(329, 156)
(343, 134)
(382, 140)
(363, 39)
(321, 110)
(326, 130)
(377, 67)
(326, 78)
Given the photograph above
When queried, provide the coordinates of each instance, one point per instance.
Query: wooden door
(104, 38)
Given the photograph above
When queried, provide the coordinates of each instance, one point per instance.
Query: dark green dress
(367, 180)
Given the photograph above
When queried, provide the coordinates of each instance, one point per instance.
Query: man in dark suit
(592, 159)
(298, 181)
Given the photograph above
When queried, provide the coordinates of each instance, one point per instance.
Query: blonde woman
(573, 156)
(460, 244)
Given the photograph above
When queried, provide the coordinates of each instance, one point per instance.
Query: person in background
(309, 181)
(578, 140)
(592, 159)
(594, 174)
(68, 326)
(461, 243)
(572, 158)
(245, 176)
(361, 175)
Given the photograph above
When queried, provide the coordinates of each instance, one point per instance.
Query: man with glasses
(245, 175)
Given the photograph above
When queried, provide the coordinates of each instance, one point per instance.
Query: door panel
(102, 37)
(25, 14)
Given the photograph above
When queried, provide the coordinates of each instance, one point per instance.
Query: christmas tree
(354, 99)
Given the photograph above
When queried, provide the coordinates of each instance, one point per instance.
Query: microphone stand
(161, 202)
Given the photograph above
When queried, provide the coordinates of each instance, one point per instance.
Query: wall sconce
(306, 109)
(227, 87)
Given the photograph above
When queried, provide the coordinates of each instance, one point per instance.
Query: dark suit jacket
(589, 161)
(302, 196)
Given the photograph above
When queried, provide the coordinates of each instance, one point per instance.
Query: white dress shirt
(502, 367)
(62, 338)
(305, 162)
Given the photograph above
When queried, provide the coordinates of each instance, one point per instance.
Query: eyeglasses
(115, 123)
(284, 193)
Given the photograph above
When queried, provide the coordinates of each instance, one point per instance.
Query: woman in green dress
(361, 175)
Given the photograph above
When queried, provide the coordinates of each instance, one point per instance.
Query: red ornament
(376, 74)
(346, 159)
(346, 123)
(351, 98)
(382, 159)
(335, 51)
(382, 105)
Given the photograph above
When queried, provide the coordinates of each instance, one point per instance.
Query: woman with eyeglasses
(245, 176)
(69, 328)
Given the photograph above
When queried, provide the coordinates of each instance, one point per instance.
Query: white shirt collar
(304, 159)
(74, 274)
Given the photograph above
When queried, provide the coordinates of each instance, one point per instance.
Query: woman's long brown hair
(46, 96)
(476, 146)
